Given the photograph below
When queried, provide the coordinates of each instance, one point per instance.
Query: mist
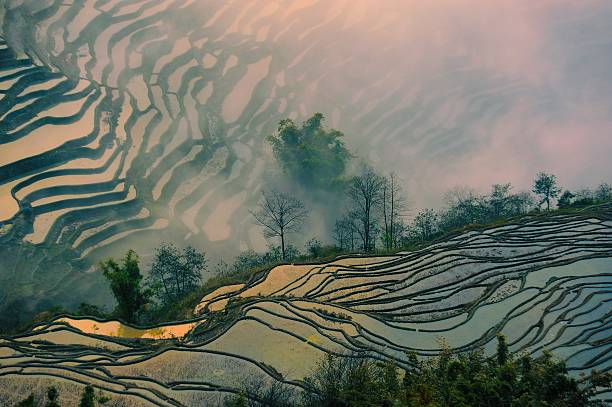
(443, 93)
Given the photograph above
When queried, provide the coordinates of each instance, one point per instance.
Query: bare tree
(279, 214)
(393, 208)
(344, 233)
(365, 191)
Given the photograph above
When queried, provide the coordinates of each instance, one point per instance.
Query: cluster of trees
(585, 196)
(451, 379)
(311, 155)
(88, 398)
(173, 274)
(376, 208)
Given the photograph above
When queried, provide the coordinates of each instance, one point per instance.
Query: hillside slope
(544, 282)
(123, 122)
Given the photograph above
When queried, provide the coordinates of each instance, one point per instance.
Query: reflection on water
(119, 330)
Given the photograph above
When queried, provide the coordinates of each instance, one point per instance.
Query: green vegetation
(27, 402)
(174, 273)
(546, 186)
(126, 284)
(310, 154)
(52, 395)
(88, 398)
(451, 379)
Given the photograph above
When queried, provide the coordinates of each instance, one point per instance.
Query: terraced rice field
(545, 283)
(123, 122)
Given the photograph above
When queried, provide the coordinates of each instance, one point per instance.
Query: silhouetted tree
(314, 248)
(520, 203)
(280, 214)
(310, 154)
(260, 391)
(499, 199)
(565, 200)
(344, 233)
(393, 208)
(583, 197)
(125, 282)
(366, 195)
(463, 207)
(425, 223)
(546, 186)
(603, 192)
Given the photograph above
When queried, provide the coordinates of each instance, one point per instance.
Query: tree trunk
(386, 237)
(282, 236)
(392, 233)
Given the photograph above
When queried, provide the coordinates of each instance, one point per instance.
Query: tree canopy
(546, 186)
(126, 283)
(451, 379)
(313, 156)
(174, 272)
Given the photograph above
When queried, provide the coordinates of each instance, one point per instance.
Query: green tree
(546, 186)
(88, 397)
(126, 284)
(503, 353)
(603, 192)
(174, 272)
(27, 402)
(425, 223)
(499, 199)
(310, 154)
(565, 200)
(52, 396)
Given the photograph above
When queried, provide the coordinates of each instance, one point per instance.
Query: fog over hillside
(124, 122)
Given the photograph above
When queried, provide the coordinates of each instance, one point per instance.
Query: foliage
(603, 192)
(451, 379)
(314, 248)
(565, 200)
(174, 272)
(27, 402)
(86, 309)
(262, 392)
(351, 381)
(425, 223)
(126, 284)
(52, 396)
(280, 214)
(310, 154)
(88, 397)
(546, 186)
